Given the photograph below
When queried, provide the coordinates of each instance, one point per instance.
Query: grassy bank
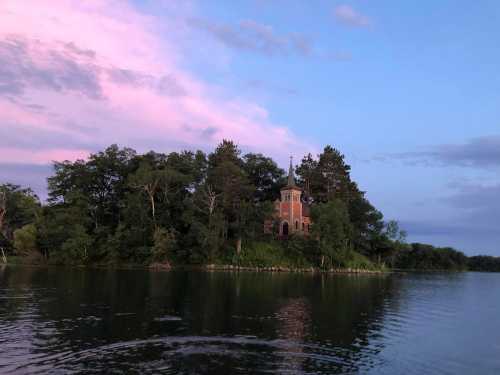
(287, 256)
(258, 256)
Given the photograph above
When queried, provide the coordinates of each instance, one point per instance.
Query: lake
(63, 320)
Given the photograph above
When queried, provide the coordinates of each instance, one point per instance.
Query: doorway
(285, 229)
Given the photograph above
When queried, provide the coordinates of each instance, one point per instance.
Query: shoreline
(203, 267)
(279, 269)
(157, 266)
(232, 268)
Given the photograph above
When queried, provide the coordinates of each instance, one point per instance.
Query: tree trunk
(238, 246)
(152, 199)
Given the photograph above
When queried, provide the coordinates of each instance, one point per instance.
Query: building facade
(292, 212)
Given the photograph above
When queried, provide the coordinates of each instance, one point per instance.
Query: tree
(367, 224)
(308, 174)
(149, 181)
(265, 176)
(484, 263)
(227, 178)
(120, 206)
(164, 244)
(18, 207)
(25, 239)
(332, 230)
(78, 245)
(63, 231)
(102, 180)
(334, 176)
(426, 257)
(394, 232)
(326, 178)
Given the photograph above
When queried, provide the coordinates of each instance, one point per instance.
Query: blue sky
(408, 91)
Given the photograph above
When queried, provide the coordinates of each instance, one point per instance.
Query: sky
(408, 91)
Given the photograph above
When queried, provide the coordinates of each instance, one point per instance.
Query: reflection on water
(121, 321)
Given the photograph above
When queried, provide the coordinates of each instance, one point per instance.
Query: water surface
(60, 320)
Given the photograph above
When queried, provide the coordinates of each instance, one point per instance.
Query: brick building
(292, 212)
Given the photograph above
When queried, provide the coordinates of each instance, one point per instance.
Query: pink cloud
(98, 72)
(12, 155)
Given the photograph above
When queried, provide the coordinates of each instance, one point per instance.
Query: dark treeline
(192, 208)
(426, 257)
(484, 263)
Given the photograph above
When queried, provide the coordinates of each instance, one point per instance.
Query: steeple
(291, 177)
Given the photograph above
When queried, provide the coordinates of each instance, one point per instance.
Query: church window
(296, 225)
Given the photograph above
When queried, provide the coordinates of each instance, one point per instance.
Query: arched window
(296, 225)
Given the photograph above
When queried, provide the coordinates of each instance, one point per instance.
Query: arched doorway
(285, 228)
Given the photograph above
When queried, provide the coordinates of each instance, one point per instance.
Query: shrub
(164, 243)
(270, 254)
(25, 239)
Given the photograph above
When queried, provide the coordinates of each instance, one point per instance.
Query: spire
(291, 178)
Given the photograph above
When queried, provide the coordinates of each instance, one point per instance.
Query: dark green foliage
(332, 230)
(63, 234)
(484, 263)
(18, 207)
(189, 208)
(328, 178)
(164, 244)
(265, 175)
(427, 257)
(273, 254)
(25, 239)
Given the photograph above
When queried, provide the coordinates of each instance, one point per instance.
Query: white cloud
(348, 16)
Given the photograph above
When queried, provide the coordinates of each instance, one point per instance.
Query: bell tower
(290, 205)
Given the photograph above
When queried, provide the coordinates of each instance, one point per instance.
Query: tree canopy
(192, 207)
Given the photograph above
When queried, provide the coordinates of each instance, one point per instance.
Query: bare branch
(211, 199)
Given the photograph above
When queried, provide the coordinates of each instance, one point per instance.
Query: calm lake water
(59, 320)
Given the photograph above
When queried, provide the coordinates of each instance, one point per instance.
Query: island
(217, 210)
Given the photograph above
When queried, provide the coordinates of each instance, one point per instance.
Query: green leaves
(333, 231)
(121, 206)
(164, 244)
(25, 239)
(326, 179)
(18, 207)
